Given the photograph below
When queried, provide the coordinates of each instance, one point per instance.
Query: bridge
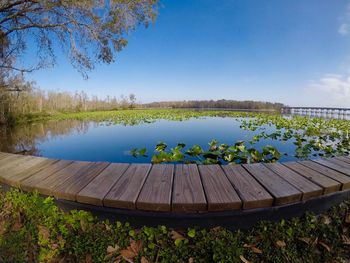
(316, 110)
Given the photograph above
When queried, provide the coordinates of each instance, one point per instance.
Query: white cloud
(334, 87)
(344, 28)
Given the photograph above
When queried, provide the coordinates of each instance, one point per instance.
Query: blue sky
(292, 51)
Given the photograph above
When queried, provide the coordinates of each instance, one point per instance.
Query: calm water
(92, 141)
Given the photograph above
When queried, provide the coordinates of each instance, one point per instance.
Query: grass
(34, 229)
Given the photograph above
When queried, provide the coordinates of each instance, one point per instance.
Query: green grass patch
(34, 229)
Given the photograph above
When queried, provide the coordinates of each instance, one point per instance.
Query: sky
(293, 51)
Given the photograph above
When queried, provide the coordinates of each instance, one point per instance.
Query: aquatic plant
(311, 137)
(215, 154)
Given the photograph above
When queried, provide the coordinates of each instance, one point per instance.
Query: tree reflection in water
(23, 139)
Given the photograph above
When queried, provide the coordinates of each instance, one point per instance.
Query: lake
(105, 141)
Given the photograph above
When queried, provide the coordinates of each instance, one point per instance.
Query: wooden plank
(14, 179)
(7, 159)
(188, 193)
(339, 162)
(47, 185)
(125, 191)
(20, 165)
(343, 158)
(156, 192)
(342, 178)
(70, 187)
(10, 160)
(98, 188)
(252, 193)
(219, 192)
(329, 185)
(282, 191)
(4, 155)
(333, 166)
(31, 182)
(308, 189)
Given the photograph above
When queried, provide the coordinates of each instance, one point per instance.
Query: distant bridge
(316, 110)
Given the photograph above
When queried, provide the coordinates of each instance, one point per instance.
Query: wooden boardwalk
(177, 188)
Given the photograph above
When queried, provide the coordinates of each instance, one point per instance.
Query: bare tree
(88, 31)
(132, 100)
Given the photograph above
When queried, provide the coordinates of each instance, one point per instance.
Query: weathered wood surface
(308, 188)
(328, 163)
(282, 191)
(252, 193)
(32, 182)
(342, 178)
(98, 188)
(219, 192)
(188, 193)
(180, 188)
(329, 185)
(155, 195)
(124, 193)
(73, 184)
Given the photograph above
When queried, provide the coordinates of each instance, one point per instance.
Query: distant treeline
(217, 104)
(13, 105)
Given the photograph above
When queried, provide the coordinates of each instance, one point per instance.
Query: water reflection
(96, 141)
(26, 139)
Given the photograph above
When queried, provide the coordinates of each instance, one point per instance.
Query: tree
(89, 31)
(132, 99)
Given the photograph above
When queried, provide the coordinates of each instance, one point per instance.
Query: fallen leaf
(253, 248)
(280, 243)
(16, 226)
(83, 225)
(112, 250)
(132, 250)
(325, 246)
(244, 260)
(135, 246)
(248, 245)
(190, 260)
(327, 220)
(176, 235)
(127, 254)
(346, 240)
(108, 227)
(306, 240)
(54, 246)
(58, 259)
(44, 232)
(347, 218)
(88, 259)
(2, 227)
(144, 260)
(256, 250)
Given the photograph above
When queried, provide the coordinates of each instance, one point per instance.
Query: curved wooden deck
(177, 188)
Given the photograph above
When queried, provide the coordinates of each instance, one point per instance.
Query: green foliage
(216, 154)
(33, 229)
(311, 137)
